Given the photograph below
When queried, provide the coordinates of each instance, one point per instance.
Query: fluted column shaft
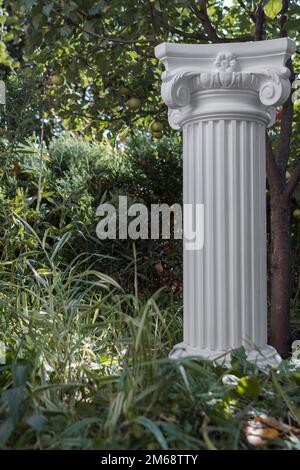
(225, 282)
(223, 96)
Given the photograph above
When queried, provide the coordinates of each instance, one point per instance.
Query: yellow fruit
(134, 103)
(296, 213)
(159, 267)
(57, 79)
(16, 168)
(157, 135)
(157, 126)
(124, 91)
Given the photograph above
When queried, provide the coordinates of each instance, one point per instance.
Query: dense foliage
(101, 53)
(87, 324)
(101, 379)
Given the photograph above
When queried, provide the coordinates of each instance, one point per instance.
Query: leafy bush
(87, 368)
(86, 332)
(76, 176)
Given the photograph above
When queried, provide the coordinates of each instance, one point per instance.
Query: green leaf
(13, 397)
(19, 375)
(154, 429)
(27, 3)
(78, 426)
(47, 9)
(272, 8)
(295, 412)
(248, 386)
(95, 9)
(37, 20)
(157, 6)
(36, 421)
(6, 428)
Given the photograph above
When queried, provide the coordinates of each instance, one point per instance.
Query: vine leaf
(272, 8)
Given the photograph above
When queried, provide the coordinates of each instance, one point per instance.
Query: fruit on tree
(296, 213)
(134, 103)
(56, 79)
(157, 135)
(16, 168)
(159, 267)
(124, 91)
(157, 126)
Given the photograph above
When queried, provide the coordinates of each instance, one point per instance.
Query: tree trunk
(281, 272)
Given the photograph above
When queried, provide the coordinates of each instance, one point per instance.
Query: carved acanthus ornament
(271, 85)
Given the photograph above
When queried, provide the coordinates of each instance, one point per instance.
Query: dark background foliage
(88, 324)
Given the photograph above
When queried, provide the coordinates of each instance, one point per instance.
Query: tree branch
(166, 26)
(259, 22)
(284, 18)
(294, 181)
(184, 34)
(238, 39)
(250, 13)
(275, 178)
(205, 21)
(211, 34)
(107, 38)
(141, 53)
(282, 154)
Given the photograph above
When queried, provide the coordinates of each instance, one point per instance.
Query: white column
(224, 96)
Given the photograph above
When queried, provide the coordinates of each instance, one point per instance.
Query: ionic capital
(207, 81)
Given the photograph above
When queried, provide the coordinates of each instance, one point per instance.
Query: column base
(266, 357)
